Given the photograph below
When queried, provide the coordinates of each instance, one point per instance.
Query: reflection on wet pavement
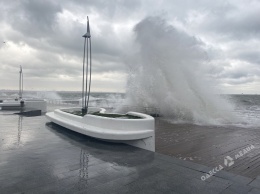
(41, 157)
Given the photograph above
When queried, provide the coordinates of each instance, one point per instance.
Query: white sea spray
(165, 73)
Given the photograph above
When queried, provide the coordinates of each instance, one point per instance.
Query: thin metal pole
(83, 79)
(90, 64)
(19, 84)
(86, 92)
(86, 79)
(22, 84)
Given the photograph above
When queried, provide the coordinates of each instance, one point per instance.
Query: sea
(246, 107)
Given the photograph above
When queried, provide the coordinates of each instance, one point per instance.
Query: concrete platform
(36, 157)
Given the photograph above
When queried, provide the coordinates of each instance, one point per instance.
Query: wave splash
(165, 73)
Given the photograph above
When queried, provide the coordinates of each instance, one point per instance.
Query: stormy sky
(45, 37)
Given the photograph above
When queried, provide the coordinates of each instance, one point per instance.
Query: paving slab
(37, 156)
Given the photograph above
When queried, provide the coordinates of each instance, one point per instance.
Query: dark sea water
(246, 107)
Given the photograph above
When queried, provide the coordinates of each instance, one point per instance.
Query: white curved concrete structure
(23, 104)
(11, 104)
(135, 132)
(29, 104)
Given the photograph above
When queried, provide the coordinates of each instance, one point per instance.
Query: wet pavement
(209, 145)
(40, 157)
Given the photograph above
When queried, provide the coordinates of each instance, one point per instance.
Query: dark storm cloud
(34, 18)
(53, 32)
(37, 24)
(38, 19)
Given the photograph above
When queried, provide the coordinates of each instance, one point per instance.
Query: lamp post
(86, 78)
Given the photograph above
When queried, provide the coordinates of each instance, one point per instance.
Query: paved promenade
(36, 157)
(209, 145)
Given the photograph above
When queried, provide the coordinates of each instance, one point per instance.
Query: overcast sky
(45, 37)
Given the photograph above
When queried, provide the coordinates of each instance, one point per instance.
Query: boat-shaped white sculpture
(134, 128)
(26, 104)
(13, 104)
(22, 104)
(138, 132)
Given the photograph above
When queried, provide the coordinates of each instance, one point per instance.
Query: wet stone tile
(53, 159)
(254, 191)
(255, 183)
(238, 188)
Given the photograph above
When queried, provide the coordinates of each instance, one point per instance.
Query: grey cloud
(233, 21)
(41, 14)
(113, 10)
(52, 44)
(241, 80)
(58, 45)
(240, 74)
(249, 56)
(34, 18)
(252, 57)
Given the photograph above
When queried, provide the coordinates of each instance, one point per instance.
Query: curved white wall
(34, 104)
(136, 132)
